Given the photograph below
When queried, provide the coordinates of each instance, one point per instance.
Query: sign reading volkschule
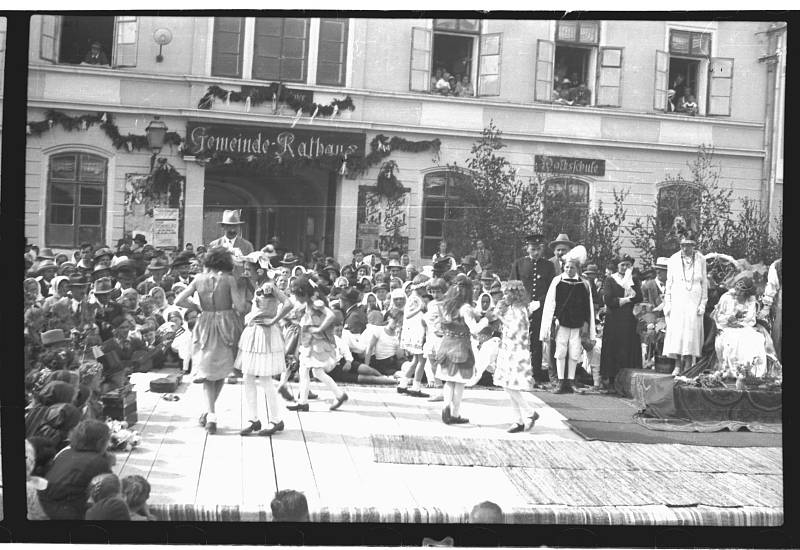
(242, 141)
(569, 165)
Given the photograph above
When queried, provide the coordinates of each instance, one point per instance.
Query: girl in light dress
(412, 338)
(433, 333)
(486, 343)
(261, 355)
(514, 372)
(316, 346)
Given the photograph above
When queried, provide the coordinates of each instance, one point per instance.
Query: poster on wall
(152, 214)
(382, 223)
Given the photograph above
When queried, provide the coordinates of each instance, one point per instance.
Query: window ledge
(407, 96)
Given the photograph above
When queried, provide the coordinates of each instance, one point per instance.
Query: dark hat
(66, 268)
(104, 251)
(331, 268)
(351, 295)
(442, 265)
(76, 279)
(157, 264)
(139, 238)
(109, 509)
(469, 261)
(46, 254)
(591, 269)
(182, 259)
(289, 259)
(96, 44)
(562, 238)
(45, 265)
(55, 336)
(623, 258)
(487, 275)
(536, 238)
(103, 285)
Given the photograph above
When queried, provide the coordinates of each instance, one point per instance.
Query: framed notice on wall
(382, 222)
(153, 215)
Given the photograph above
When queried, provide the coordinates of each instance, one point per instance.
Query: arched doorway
(297, 208)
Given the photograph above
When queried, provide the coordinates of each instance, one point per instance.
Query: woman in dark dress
(622, 348)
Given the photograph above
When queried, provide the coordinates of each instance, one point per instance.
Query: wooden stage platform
(330, 457)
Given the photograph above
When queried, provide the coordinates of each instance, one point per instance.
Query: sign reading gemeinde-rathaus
(569, 165)
(243, 141)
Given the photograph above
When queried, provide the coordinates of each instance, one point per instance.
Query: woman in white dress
(685, 297)
(739, 345)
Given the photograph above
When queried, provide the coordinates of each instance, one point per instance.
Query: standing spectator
(590, 274)
(442, 255)
(231, 240)
(95, 55)
(621, 347)
(482, 255)
(685, 298)
(464, 87)
(560, 246)
(536, 273)
(773, 302)
(653, 289)
(73, 469)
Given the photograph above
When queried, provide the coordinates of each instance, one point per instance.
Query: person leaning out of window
(95, 55)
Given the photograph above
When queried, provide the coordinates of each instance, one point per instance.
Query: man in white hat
(653, 289)
(231, 239)
(560, 246)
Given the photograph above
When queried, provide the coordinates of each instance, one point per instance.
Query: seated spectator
(740, 347)
(486, 512)
(381, 342)
(136, 491)
(347, 369)
(73, 469)
(44, 451)
(289, 505)
(53, 415)
(105, 499)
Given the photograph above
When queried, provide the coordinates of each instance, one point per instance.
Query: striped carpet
(576, 455)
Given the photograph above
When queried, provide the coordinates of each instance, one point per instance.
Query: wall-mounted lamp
(156, 134)
(162, 37)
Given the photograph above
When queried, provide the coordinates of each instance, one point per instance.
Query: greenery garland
(106, 122)
(382, 146)
(276, 93)
(164, 186)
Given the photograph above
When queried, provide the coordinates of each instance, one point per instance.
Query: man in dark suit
(561, 245)
(653, 289)
(231, 239)
(536, 273)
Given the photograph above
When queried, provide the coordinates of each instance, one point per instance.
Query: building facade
(592, 102)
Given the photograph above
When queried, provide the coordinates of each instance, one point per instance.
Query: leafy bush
(604, 235)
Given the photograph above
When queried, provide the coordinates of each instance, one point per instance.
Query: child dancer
(433, 333)
(456, 362)
(413, 338)
(261, 355)
(316, 346)
(513, 371)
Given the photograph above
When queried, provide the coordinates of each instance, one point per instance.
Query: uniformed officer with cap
(536, 273)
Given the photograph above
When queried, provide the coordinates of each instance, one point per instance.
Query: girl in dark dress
(622, 348)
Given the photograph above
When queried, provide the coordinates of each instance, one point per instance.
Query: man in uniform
(536, 273)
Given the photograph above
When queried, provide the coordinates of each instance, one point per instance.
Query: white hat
(578, 253)
(661, 263)
(398, 293)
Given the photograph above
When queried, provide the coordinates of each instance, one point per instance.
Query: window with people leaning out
(575, 70)
(688, 80)
(90, 41)
(455, 59)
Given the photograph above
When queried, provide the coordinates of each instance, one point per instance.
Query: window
(688, 80)
(675, 199)
(441, 208)
(281, 49)
(575, 70)
(76, 199)
(455, 59)
(566, 208)
(100, 41)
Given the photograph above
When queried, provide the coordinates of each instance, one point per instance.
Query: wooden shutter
(661, 81)
(226, 54)
(126, 42)
(421, 47)
(48, 42)
(489, 64)
(609, 77)
(720, 73)
(545, 56)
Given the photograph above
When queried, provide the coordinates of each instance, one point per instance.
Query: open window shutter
(609, 78)
(126, 43)
(421, 46)
(489, 64)
(661, 81)
(48, 43)
(720, 72)
(545, 54)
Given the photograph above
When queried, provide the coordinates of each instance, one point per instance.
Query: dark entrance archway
(297, 208)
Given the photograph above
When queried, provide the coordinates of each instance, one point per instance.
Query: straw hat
(52, 337)
(562, 238)
(661, 263)
(231, 217)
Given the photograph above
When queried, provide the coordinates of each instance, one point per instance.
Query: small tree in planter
(498, 206)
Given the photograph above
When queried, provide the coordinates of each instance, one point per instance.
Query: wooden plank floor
(327, 455)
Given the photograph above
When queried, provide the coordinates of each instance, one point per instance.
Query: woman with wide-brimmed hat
(685, 297)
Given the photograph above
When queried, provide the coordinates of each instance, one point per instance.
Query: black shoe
(560, 388)
(338, 402)
(447, 418)
(202, 419)
(417, 393)
(274, 427)
(211, 428)
(516, 428)
(286, 394)
(232, 379)
(460, 420)
(253, 427)
(402, 390)
(533, 418)
(312, 395)
(299, 407)
(568, 386)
